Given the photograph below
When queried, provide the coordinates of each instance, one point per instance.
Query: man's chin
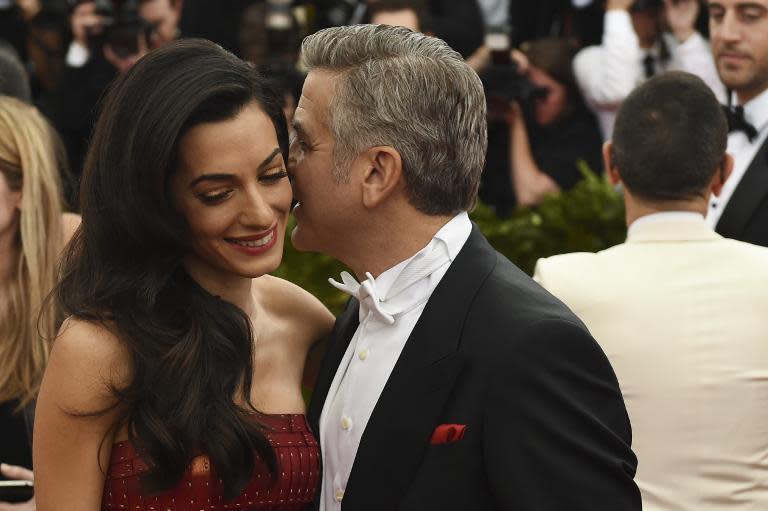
(735, 77)
(299, 241)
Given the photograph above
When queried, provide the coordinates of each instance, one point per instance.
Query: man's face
(326, 206)
(646, 25)
(739, 32)
(164, 15)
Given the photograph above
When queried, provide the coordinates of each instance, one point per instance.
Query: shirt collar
(756, 110)
(662, 216)
(452, 235)
(671, 226)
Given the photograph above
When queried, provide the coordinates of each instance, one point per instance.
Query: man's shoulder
(585, 265)
(748, 255)
(510, 299)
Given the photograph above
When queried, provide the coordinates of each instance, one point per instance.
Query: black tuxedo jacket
(546, 426)
(745, 217)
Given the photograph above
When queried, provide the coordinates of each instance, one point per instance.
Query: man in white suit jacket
(681, 312)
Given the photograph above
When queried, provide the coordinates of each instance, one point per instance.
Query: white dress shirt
(608, 73)
(743, 152)
(370, 359)
(495, 12)
(77, 55)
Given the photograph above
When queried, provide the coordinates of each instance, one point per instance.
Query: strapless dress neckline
(296, 451)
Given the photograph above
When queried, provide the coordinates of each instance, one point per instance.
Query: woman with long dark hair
(176, 381)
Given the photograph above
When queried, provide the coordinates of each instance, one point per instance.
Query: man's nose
(730, 28)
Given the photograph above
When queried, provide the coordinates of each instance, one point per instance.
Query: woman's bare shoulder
(289, 302)
(69, 223)
(87, 360)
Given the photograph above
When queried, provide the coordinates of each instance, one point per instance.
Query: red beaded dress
(294, 489)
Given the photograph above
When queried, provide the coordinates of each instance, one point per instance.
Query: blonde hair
(30, 159)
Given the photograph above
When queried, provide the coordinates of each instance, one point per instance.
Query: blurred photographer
(457, 22)
(15, 16)
(546, 145)
(642, 38)
(108, 37)
(123, 30)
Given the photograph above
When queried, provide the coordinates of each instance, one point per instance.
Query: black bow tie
(737, 122)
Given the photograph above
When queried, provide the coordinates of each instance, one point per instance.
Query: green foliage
(312, 271)
(588, 218)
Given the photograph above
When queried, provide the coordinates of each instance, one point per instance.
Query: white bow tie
(396, 301)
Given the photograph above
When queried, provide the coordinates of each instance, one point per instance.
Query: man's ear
(383, 174)
(721, 175)
(608, 163)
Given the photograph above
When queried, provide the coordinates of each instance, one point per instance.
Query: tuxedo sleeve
(556, 432)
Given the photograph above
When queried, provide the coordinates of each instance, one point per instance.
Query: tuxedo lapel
(342, 333)
(750, 191)
(399, 430)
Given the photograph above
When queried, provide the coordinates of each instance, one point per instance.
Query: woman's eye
(274, 176)
(214, 197)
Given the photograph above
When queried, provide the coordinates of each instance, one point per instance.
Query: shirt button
(363, 354)
(346, 423)
(339, 495)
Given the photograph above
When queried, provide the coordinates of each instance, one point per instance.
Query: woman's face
(232, 187)
(9, 208)
(548, 109)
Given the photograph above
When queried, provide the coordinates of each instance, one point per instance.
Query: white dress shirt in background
(370, 359)
(743, 152)
(608, 73)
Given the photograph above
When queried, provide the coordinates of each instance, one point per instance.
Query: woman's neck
(232, 288)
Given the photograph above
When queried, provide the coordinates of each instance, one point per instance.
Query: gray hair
(14, 81)
(414, 93)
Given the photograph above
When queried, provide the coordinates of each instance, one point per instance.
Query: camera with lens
(122, 26)
(503, 81)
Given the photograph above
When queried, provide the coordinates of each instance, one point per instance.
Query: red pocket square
(448, 433)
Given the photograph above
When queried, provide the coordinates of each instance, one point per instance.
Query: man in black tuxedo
(739, 32)
(452, 381)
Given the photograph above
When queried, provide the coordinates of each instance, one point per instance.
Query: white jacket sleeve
(608, 73)
(695, 56)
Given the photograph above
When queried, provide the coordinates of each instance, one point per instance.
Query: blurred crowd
(555, 73)
(564, 66)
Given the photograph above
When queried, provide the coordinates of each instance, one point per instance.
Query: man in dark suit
(452, 380)
(739, 32)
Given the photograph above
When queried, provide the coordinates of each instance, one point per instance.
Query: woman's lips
(254, 245)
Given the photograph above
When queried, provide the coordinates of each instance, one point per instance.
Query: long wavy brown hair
(191, 352)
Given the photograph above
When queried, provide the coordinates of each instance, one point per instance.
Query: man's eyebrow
(298, 127)
(220, 176)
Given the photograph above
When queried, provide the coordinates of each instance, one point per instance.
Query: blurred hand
(681, 17)
(516, 121)
(123, 64)
(29, 8)
(85, 21)
(17, 474)
(521, 60)
(619, 5)
(480, 59)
